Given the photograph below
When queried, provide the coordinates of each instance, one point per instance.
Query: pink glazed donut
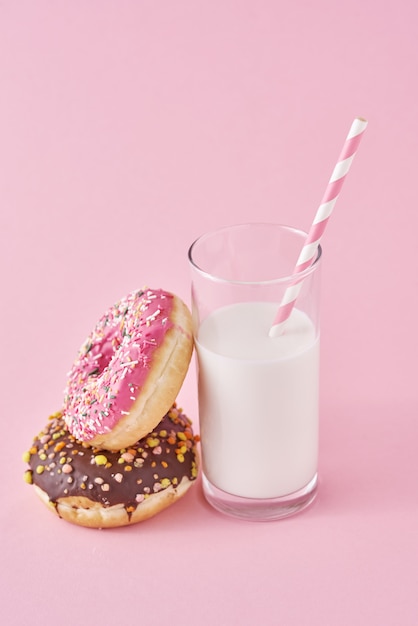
(129, 370)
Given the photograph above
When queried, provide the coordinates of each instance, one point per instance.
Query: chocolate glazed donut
(97, 488)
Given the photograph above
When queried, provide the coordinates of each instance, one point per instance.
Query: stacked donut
(120, 450)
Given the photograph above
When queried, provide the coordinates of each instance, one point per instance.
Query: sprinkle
(59, 446)
(26, 457)
(128, 457)
(67, 468)
(181, 436)
(99, 481)
(153, 442)
(165, 482)
(129, 364)
(139, 497)
(100, 459)
(105, 487)
(27, 477)
(180, 457)
(157, 450)
(40, 469)
(118, 477)
(128, 468)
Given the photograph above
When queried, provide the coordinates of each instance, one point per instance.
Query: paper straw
(319, 224)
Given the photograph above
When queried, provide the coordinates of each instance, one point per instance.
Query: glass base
(260, 509)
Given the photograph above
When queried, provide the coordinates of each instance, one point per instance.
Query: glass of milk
(258, 395)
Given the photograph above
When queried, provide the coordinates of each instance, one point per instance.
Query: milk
(258, 401)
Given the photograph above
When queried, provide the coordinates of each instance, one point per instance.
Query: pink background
(128, 128)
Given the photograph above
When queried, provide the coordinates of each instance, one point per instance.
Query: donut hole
(101, 353)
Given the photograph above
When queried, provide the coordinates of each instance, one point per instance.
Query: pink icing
(114, 362)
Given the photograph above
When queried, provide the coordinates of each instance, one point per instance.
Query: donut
(129, 370)
(97, 488)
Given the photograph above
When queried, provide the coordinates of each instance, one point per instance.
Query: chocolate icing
(62, 466)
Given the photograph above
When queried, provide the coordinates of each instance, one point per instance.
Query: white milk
(258, 401)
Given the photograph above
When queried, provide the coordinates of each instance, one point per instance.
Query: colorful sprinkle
(100, 459)
(26, 457)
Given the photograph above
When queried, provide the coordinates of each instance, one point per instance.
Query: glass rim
(281, 279)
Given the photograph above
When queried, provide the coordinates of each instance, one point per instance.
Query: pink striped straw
(319, 224)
